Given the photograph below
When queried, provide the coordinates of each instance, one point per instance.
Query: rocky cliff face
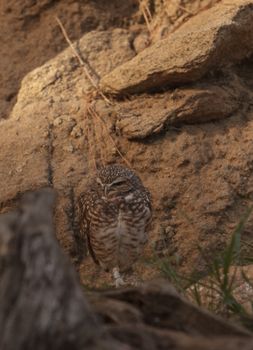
(180, 114)
(30, 34)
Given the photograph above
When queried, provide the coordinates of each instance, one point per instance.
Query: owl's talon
(118, 279)
(119, 282)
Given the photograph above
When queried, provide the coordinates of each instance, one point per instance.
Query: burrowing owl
(114, 213)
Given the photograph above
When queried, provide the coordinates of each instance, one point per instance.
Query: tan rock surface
(219, 36)
(25, 155)
(30, 35)
(147, 115)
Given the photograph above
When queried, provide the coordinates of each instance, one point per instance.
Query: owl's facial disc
(118, 188)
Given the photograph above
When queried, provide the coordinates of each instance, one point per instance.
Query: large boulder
(30, 34)
(210, 40)
(146, 115)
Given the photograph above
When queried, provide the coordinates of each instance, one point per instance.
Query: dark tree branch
(41, 303)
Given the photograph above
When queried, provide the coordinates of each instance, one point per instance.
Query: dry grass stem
(186, 10)
(91, 148)
(94, 131)
(100, 120)
(93, 82)
(88, 130)
(146, 14)
(99, 140)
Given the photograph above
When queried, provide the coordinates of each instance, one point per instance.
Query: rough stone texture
(168, 16)
(24, 166)
(192, 51)
(30, 35)
(147, 115)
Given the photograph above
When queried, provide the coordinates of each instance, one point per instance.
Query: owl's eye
(118, 183)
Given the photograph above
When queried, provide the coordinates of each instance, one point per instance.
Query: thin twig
(88, 132)
(81, 61)
(186, 10)
(99, 138)
(146, 14)
(91, 147)
(96, 115)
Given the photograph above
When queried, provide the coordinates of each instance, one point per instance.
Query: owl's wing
(84, 227)
(91, 251)
(148, 202)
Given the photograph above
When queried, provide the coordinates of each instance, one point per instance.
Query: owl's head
(117, 181)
